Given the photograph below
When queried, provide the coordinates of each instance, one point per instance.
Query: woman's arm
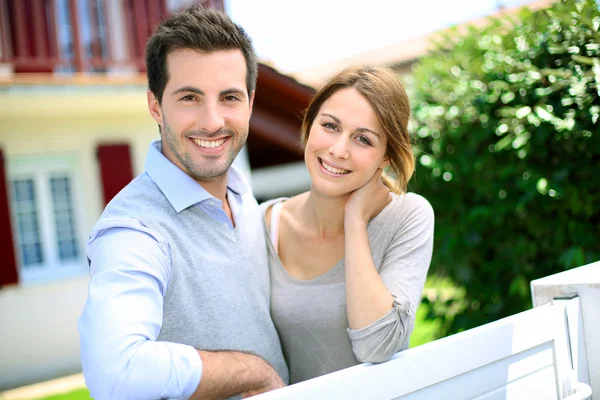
(379, 329)
(367, 298)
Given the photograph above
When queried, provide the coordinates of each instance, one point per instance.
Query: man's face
(205, 111)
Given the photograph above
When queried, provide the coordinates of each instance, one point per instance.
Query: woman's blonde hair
(382, 89)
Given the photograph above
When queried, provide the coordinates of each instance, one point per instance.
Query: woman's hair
(383, 90)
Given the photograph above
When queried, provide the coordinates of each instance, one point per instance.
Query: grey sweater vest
(218, 293)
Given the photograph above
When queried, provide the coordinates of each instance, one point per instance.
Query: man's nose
(211, 118)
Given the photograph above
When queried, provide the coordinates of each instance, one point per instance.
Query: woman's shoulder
(266, 206)
(290, 204)
(412, 203)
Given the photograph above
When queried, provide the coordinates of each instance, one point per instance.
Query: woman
(349, 258)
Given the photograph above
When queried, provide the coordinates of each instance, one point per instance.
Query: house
(74, 129)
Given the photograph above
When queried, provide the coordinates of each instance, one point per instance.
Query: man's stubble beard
(208, 170)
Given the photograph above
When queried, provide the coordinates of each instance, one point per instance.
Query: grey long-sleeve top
(310, 315)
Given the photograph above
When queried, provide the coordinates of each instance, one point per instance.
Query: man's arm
(227, 373)
(130, 267)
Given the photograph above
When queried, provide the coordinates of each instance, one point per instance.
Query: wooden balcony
(70, 38)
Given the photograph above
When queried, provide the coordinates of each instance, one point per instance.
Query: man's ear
(154, 107)
(252, 100)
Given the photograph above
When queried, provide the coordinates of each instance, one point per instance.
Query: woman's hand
(367, 201)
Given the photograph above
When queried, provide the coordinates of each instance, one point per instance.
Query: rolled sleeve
(403, 272)
(382, 339)
(130, 271)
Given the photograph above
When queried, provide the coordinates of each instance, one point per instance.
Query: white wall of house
(38, 129)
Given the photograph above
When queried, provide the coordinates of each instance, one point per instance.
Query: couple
(186, 300)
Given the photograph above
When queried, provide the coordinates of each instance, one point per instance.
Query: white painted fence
(537, 354)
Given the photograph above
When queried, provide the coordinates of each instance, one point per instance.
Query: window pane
(28, 228)
(63, 216)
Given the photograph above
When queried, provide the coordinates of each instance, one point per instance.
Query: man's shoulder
(141, 200)
(140, 191)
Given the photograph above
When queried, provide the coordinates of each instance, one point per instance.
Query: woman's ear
(385, 163)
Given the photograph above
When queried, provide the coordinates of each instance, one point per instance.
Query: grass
(437, 290)
(79, 394)
(425, 331)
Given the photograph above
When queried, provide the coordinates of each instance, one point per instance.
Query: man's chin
(205, 174)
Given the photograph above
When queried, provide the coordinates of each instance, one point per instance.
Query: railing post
(77, 52)
(39, 34)
(585, 283)
(5, 48)
(21, 50)
(54, 53)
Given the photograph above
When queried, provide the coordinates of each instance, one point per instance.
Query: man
(178, 303)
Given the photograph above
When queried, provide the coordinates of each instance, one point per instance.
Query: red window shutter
(8, 262)
(115, 168)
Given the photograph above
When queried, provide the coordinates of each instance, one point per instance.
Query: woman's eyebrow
(337, 120)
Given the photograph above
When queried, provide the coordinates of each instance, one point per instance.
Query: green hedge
(507, 121)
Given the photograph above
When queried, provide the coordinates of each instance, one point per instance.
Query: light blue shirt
(130, 270)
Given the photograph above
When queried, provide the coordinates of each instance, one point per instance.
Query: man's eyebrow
(233, 91)
(337, 120)
(188, 89)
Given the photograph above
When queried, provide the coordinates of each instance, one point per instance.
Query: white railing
(536, 354)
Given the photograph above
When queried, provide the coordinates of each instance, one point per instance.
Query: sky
(294, 35)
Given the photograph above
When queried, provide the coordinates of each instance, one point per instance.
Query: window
(45, 218)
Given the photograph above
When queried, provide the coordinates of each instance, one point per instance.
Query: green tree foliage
(507, 122)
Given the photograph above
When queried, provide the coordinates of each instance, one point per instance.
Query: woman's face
(346, 144)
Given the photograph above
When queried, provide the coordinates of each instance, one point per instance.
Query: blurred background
(506, 102)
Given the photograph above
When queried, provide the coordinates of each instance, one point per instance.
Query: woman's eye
(329, 125)
(364, 140)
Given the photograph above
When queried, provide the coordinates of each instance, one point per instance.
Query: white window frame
(40, 168)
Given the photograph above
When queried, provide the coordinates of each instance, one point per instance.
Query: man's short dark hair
(196, 28)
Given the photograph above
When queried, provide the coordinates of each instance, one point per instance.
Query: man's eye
(189, 97)
(232, 98)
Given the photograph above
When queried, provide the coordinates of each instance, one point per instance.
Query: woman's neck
(323, 215)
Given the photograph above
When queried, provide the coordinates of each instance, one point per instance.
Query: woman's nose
(339, 149)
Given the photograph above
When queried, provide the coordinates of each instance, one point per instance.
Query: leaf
(519, 286)
(572, 257)
(584, 60)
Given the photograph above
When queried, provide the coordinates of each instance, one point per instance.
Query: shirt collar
(178, 187)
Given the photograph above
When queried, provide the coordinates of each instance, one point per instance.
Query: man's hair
(201, 29)
(381, 87)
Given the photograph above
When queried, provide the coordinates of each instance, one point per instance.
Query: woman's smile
(332, 168)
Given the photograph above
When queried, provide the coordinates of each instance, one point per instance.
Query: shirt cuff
(190, 356)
